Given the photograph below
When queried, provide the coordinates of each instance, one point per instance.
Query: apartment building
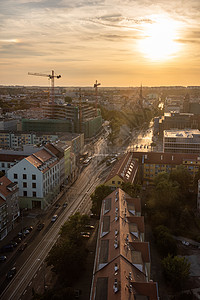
(38, 179)
(124, 170)
(153, 163)
(3, 219)
(9, 205)
(175, 120)
(9, 192)
(181, 141)
(122, 261)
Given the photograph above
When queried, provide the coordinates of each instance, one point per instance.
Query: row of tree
(68, 258)
(170, 211)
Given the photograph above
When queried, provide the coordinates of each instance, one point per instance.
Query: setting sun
(159, 42)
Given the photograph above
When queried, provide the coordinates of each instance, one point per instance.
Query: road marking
(35, 275)
(30, 283)
(24, 292)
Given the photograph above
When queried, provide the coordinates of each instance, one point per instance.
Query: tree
(164, 240)
(68, 99)
(131, 189)
(176, 270)
(182, 176)
(68, 255)
(101, 192)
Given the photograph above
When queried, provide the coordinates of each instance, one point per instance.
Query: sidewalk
(28, 220)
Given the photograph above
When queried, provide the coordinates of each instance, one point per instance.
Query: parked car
(3, 258)
(11, 273)
(65, 204)
(185, 243)
(17, 239)
(54, 218)
(21, 235)
(40, 226)
(22, 247)
(57, 205)
(26, 231)
(89, 226)
(14, 243)
(29, 228)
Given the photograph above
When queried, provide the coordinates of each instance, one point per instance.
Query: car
(11, 273)
(94, 216)
(54, 218)
(29, 228)
(57, 205)
(26, 231)
(185, 243)
(22, 247)
(14, 243)
(85, 233)
(89, 226)
(3, 258)
(21, 235)
(17, 239)
(85, 236)
(40, 226)
(65, 204)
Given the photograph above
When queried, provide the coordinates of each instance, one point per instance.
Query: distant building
(67, 118)
(181, 141)
(122, 262)
(178, 121)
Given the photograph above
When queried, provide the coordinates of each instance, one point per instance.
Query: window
(3, 165)
(15, 176)
(34, 194)
(24, 184)
(33, 177)
(33, 185)
(113, 182)
(25, 193)
(24, 176)
(119, 182)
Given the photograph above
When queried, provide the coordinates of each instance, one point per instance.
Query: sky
(117, 42)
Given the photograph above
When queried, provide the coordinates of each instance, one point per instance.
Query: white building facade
(38, 179)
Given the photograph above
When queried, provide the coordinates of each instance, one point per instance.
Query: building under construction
(66, 118)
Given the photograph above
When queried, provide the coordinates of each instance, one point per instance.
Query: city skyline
(119, 43)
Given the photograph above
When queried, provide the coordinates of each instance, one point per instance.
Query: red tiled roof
(11, 157)
(164, 158)
(121, 257)
(4, 183)
(125, 168)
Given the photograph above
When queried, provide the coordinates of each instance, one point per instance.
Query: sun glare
(159, 41)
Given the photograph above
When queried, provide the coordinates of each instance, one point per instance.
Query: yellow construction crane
(51, 77)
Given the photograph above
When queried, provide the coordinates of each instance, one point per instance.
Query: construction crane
(51, 77)
(80, 110)
(95, 86)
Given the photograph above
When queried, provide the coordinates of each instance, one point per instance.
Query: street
(32, 258)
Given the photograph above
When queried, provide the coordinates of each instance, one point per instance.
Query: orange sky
(119, 43)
